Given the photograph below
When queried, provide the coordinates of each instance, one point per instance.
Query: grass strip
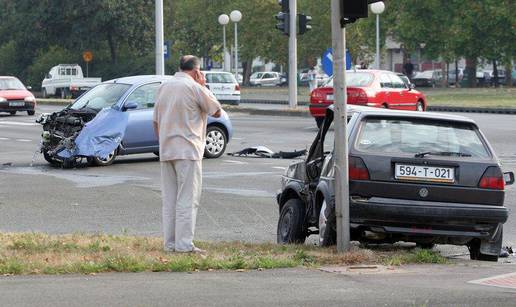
(38, 253)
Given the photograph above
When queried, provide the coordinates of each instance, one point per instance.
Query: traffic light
(285, 8)
(351, 10)
(304, 23)
(283, 22)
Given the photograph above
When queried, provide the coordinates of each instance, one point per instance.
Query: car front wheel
(290, 223)
(420, 107)
(97, 161)
(216, 141)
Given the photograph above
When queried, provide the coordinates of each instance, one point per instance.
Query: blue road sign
(327, 61)
(166, 50)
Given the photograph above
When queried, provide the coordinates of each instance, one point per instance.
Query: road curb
(429, 108)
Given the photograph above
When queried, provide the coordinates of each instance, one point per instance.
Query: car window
(385, 81)
(144, 96)
(11, 84)
(355, 79)
(396, 81)
(220, 78)
(411, 136)
(267, 76)
(101, 96)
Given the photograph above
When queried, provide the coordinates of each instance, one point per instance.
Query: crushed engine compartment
(60, 129)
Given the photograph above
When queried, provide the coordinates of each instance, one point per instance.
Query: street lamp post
(236, 16)
(224, 20)
(160, 60)
(378, 8)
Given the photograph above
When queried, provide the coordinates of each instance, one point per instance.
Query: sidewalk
(421, 285)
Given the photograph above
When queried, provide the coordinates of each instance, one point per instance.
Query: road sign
(327, 61)
(87, 56)
(166, 48)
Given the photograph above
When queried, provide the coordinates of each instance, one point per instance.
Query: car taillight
(237, 87)
(492, 179)
(357, 96)
(357, 169)
(316, 94)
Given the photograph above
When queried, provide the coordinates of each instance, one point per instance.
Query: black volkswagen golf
(418, 177)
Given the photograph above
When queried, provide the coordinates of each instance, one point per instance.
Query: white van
(224, 86)
(66, 80)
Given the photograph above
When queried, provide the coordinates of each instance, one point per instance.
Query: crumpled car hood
(100, 136)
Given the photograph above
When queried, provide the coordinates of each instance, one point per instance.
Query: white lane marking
(4, 139)
(279, 167)
(235, 162)
(23, 140)
(237, 139)
(18, 123)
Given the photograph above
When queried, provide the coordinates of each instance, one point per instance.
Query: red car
(15, 97)
(374, 88)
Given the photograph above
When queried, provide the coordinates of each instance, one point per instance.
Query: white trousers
(181, 183)
(312, 84)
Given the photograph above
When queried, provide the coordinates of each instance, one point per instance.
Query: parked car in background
(490, 79)
(266, 78)
(66, 80)
(115, 118)
(224, 86)
(15, 97)
(373, 88)
(427, 78)
(452, 76)
(427, 178)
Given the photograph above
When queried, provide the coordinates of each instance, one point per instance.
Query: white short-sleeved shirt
(181, 113)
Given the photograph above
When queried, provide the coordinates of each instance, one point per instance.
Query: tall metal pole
(378, 66)
(292, 59)
(160, 53)
(225, 51)
(236, 50)
(338, 34)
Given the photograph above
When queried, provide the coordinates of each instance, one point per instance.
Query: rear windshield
(355, 79)
(411, 136)
(220, 78)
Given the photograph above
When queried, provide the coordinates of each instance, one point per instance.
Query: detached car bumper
(420, 218)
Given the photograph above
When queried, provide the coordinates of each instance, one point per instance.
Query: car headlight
(2, 99)
(30, 99)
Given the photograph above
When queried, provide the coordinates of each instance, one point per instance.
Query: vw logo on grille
(423, 192)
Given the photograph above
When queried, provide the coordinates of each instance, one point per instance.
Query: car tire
(216, 141)
(327, 233)
(96, 161)
(319, 121)
(31, 112)
(420, 107)
(476, 254)
(49, 159)
(291, 228)
(12, 112)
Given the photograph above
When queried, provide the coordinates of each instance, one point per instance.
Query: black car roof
(371, 111)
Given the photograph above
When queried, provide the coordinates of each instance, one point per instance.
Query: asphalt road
(238, 193)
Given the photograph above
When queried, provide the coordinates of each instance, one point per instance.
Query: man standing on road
(312, 78)
(180, 117)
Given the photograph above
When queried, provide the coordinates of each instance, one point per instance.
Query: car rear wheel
(97, 161)
(31, 112)
(420, 107)
(290, 224)
(216, 141)
(476, 254)
(327, 234)
(12, 112)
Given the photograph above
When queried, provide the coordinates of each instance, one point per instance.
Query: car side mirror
(29, 87)
(412, 86)
(131, 105)
(508, 177)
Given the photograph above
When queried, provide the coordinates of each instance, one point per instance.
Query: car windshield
(413, 136)
(11, 84)
(355, 79)
(101, 96)
(220, 78)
